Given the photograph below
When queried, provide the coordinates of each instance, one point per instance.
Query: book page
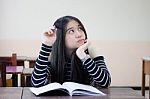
(81, 89)
(46, 88)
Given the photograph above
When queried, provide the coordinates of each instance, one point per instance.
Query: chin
(79, 45)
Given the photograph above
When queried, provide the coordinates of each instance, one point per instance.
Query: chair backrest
(6, 61)
(9, 60)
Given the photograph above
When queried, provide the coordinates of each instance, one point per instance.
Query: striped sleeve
(98, 71)
(41, 71)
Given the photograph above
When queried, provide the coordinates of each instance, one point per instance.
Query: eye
(80, 29)
(71, 31)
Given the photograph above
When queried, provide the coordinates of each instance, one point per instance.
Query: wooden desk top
(10, 92)
(28, 71)
(25, 93)
(21, 58)
(146, 58)
(112, 93)
(26, 58)
(124, 93)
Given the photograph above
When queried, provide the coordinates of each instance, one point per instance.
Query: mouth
(81, 41)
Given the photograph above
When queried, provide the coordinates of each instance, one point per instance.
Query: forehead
(72, 23)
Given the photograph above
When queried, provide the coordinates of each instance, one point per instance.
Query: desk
(112, 93)
(27, 71)
(10, 92)
(145, 71)
(21, 61)
(25, 93)
(123, 93)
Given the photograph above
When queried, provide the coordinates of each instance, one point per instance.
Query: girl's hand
(49, 37)
(81, 50)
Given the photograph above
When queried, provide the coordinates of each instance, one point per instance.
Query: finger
(50, 32)
(46, 34)
(85, 41)
(86, 45)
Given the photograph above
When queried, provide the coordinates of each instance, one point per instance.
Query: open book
(67, 88)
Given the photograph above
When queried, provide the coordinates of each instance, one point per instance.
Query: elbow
(35, 83)
(107, 83)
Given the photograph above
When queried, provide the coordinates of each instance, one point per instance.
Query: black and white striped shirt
(96, 68)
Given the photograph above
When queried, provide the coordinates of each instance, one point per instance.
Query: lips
(81, 41)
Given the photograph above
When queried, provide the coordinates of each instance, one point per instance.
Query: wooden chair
(11, 67)
(8, 60)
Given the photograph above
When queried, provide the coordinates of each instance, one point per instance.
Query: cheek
(68, 42)
(84, 35)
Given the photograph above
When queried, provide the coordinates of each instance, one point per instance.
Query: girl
(64, 56)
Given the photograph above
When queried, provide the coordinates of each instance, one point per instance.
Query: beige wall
(118, 28)
(124, 58)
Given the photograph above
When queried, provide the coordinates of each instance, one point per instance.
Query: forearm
(41, 72)
(97, 70)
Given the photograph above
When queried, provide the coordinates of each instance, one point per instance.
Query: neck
(69, 52)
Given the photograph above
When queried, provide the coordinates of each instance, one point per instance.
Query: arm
(41, 71)
(95, 66)
(98, 71)
(42, 68)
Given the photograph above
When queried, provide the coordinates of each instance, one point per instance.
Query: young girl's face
(75, 36)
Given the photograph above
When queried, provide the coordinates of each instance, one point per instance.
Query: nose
(78, 34)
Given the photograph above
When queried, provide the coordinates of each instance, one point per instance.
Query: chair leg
(27, 80)
(3, 77)
(149, 86)
(143, 84)
(22, 80)
(143, 79)
(15, 80)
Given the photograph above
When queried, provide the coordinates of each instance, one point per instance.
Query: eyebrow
(69, 29)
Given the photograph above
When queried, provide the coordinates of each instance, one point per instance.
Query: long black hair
(58, 55)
